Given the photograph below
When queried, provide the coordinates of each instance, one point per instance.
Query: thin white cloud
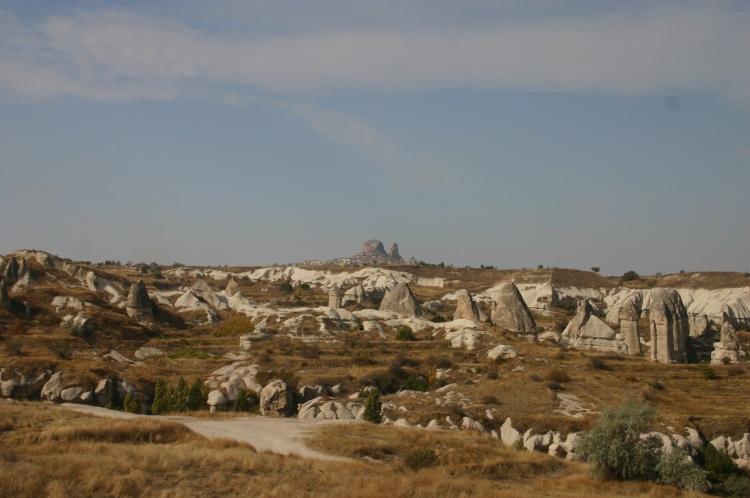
(120, 55)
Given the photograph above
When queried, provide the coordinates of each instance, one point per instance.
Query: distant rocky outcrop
(587, 331)
(466, 307)
(373, 253)
(669, 326)
(10, 274)
(139, 306)
(401, 300)
(728, 348)
(511, 311)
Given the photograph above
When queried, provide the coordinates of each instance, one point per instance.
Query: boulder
(138, 305)
(52, 389)
(469, 424)
(202, 289)
(148, 352)
(587, 331)
(508, 435)
(22, 388)
(276, 400)
(401, 301)
(104, 391)
(466, 307)
(695, 438)
(356, 294)
(511, 311)
(502, 351)
(216, 398)
(71, 394)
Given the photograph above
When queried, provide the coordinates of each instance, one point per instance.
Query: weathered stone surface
(466, 307)
(11, 271)
(276, 400)
(52, 389)
(233, 287)
(728, 348)
(698, 324)
(508, 435)
(259, 335)
(394, 252)
(511, 311)
(202, 289)
(587, 331)
(334, 297)
(356, 294)
(669, 326)
(138, 305)
(217, 398)
(22, 388)
(502, 351)
(311, 392)
(148, 352)
(325, 409)
(71, 394)
(373, 252)
(401, 300)
(24, 278)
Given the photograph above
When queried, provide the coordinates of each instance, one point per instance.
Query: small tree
(162, 402)
(629, 276)
(195, 398)
(678, 470)
(373, 407)
(596, 269)
(614, 446)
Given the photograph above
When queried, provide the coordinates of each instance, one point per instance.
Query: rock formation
(728, 346)
(587, 331)
(401, 300)
(511, 311)
(668, 325)
(11, 271)
(276, 400)
(233, 287)
(334, 297)
(373, 253)
(356, 294)
(5, 303)
(23, 277)
(202, 289)
(466, 307)
(138, 305)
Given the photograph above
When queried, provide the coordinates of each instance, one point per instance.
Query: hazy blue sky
(511, 133)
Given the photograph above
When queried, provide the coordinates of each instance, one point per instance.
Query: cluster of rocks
(373, 253)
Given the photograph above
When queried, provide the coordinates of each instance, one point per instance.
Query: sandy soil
(278, 435)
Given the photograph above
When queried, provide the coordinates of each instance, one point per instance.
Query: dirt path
(278, 435)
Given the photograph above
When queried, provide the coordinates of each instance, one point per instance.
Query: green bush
(420, 459)
(132, 403)
(416, 383)
(737, 486)
(678, 470)
(286, 287)
(614, 446)
(180, 398)
(629, 276)
(717, 463)
(246, 401)
(373, 407)
(708, 373)
(405, 334)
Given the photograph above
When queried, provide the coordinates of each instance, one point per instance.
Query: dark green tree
(373, 407)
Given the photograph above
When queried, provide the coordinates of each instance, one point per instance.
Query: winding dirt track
(278, 435)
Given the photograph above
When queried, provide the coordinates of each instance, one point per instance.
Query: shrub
(304, 286)
(596, 269)
(678, 470)
(416, 383)
(373, 407)
(614, 447)
(629, 276)
(420, 459)
(708, 373)
(405, 334)
(246, 401)
(656, 385)
(132, 403)
(737, 486)
(717, 463)
(558, 375)
(61, 349)
(235, 326)
(598, 363)
(554, 386)
(286, 287)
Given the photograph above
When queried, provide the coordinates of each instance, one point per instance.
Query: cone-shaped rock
(139, 306)
(669, 325)
(24, 275)
(4, 297)
(233, 287)
(511, 311)
(587, 331)
(466, 307)
(401, 300)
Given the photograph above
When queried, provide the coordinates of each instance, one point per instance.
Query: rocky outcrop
(24, 278)
(52, 389)
(373, 252)
(668, 325)
(587, 331)
(394, 252)
(216, 398)
(326, 409)
(233, 287)
(247, 340)
(138, 305)
(104, 391)
(10, 274)
(356, 294)
(728, 348)
(466, 307)
(334, 297)
(502, 351)
(511, 311)
(202, 289)
(308, 393)
(20, 387)
(5, 302)
(276, 400)
(147, 352)
(401, 300)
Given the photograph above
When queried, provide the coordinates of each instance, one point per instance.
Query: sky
(510, 133)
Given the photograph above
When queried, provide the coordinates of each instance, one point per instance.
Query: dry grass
(49, 452)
